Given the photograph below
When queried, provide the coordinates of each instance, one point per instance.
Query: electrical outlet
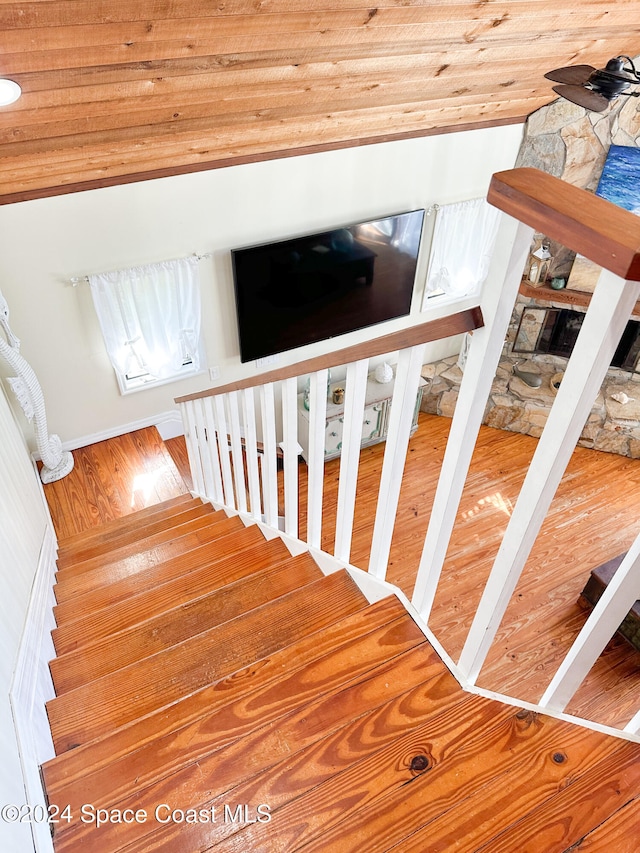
(214, 373)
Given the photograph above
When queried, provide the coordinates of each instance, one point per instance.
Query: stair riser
(345, 636)
(204, 572)
(179, 624)
(115, 700)
(135, 561)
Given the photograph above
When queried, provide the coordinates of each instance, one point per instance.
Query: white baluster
(354, 402)
(223, 449)
(211, 447)
(403, 406)
(236, 451)
(251, 452)
(193, 451)
(204, 441)
(480, 369)
(291, 451)
(616, 601)
(611, 305)
(269, 458)
(317, 427)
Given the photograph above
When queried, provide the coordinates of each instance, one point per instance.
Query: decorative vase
(383, 373)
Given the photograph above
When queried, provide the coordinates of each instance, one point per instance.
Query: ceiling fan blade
(586, 98)
(573, 74)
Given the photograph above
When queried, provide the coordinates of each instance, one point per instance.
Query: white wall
(44, 243)
(23, 524)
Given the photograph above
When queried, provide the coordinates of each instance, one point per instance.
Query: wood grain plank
(155, 511)
(71, 560)
(579, 810)
(532, 786)
(123, 561)
(182, 109)
(67, 13)
(463, 769)
(185, 619)
(217, 527)
(123, 602)
(347, 633)
(116, 699)
(370, 754)
(266, 702)
(104, 483)
(265, 745)
(209, 78)
(620, 832)
(106, 42)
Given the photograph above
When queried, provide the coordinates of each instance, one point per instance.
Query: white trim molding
(31, 686)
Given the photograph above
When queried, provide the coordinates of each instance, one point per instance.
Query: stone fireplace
(566, 141)
(612, 426)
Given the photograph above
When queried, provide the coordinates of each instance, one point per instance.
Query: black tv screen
(310, 288)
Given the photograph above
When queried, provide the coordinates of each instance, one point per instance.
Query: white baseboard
(31, 686)
(169, 425)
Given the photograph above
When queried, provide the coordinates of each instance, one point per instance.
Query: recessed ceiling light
(9, 91)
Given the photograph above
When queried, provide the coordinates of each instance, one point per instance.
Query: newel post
(57, 463)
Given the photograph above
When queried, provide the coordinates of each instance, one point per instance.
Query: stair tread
(183, 621)
(308, 760)
(488, 751)
(229, 757)
(304, 706)
(146, 593)
(67, 588)
(168, 507)
(141, 688)
(344, 635)
(84, 558)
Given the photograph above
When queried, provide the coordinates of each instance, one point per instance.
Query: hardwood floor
(111, 479)
(390, 753)
(590, 521)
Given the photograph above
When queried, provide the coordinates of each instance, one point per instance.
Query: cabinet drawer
(372, 422)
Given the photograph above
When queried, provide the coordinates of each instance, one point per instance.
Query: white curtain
(150, 316)
(463, 239)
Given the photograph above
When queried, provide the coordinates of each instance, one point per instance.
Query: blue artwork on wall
(619, 184)
(620, 179)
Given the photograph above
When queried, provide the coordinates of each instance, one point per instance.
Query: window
(150, 320)
(463, 239)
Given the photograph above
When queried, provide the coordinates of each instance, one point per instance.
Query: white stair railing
(234, 457)
(607, 235)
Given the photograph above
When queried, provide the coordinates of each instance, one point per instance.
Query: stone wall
(571, 143)
(612, 426)
(566, 141)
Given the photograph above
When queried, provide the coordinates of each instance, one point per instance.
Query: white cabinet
(375, 419)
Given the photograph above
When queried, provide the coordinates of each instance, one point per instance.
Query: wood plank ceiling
(121, 90)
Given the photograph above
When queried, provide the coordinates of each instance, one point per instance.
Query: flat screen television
(307, 289)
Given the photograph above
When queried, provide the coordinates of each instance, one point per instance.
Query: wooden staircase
(212, 691)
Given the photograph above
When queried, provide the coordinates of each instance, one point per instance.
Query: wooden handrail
(604, 233)
(433, 330)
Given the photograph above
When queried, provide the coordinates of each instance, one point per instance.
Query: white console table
(375, 419)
